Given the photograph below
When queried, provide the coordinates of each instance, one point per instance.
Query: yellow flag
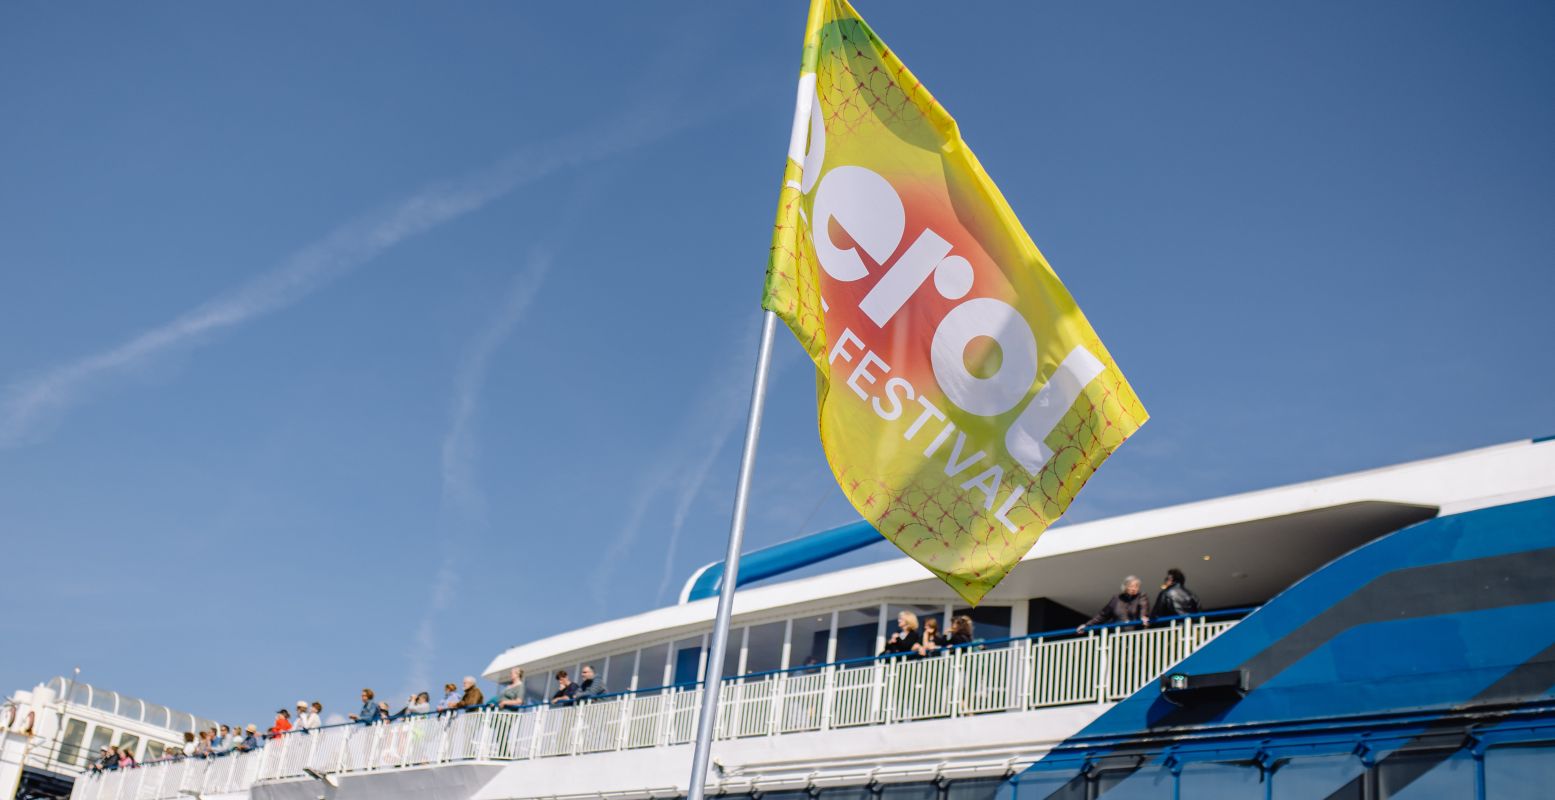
(964, 398)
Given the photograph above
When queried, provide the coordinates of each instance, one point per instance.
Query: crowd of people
(911, 640)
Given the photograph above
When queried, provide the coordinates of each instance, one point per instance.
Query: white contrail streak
(29, 405)
(463, 501)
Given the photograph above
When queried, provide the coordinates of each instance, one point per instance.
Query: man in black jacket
(1175, 600)
(1127, 606)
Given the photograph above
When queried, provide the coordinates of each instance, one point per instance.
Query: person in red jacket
(283, 723)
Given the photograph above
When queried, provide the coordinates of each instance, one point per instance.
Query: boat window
(857, 631)
(534, 686)
(988, 622)
(104, 701)
(1519, 771)
(101, 737)
(732, 652)
(617, 673)
(1427, 774)
(909, 791)
(688, 661)
(650, 668)
(974, 789)
(1217, 779)
(155, 750)
(157, 715)
(70, 750)
(847, 793)
(811, 637)
(1320, 776)
(764, 646)
(129, 741)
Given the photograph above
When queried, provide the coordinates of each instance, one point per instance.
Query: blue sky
(349, 344)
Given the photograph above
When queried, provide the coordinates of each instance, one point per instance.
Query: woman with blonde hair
(907, 638)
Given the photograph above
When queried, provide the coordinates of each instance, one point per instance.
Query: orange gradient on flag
(963, 397)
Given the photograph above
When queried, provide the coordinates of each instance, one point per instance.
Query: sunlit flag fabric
(964, 398)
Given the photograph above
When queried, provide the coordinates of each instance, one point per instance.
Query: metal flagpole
(707, 719)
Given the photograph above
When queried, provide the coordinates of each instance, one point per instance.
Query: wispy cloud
(463, 506)
(30, 405)
(684, 467)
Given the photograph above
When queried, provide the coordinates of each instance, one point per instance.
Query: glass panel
(70, 748)
(1519, 771)
(618, 671)
(978, 789)
(811, 636)
(688, 657)
(101, 737)
(534, 687)
(732, 652)
(155, 750)
(129, 741)
(1207, 779)
(856, 631)
(650, 669)
(1321, 776)
(988, 622)
(80, 694)
(1423, 776)
(1059, 782)
(909, 791)
(847, 792)
(764, 647)
(786, 796)
(130, 707)
(1146, 783)
(157, 715)
(103, 700)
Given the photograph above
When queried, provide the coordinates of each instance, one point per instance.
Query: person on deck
(932, 639)
(282, 724)
(512, 695)
(1129, 605)
(591, 687)
(566, 690)
(960, 631)
(369, 713)
(472, 697)
(1175, 600)
(906, 637)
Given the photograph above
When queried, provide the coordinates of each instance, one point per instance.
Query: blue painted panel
(787, 557)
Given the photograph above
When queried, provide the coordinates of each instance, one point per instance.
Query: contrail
(29, 405)
(463, 501)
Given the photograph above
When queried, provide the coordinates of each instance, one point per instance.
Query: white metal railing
(1022, 674)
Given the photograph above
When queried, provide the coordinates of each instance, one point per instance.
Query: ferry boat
(1382, 634)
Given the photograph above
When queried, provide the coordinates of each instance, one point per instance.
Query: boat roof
(1240, 549)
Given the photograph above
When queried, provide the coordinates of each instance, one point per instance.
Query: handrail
(1014, 674)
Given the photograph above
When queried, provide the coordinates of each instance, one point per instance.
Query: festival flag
(964, 398)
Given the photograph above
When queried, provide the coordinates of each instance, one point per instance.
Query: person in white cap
(306, 718)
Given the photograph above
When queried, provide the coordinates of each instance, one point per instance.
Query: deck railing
(1106, 664)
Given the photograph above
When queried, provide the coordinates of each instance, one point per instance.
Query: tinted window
(810, 639)
(688, 661)
(764, 647)
(988, 622)
(650, 668)
(856, 632)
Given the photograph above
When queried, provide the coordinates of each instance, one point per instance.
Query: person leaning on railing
(1129, 605)
(512, 696)
(472, 697)
(591, 688)
(906, 637)
(1175, 600)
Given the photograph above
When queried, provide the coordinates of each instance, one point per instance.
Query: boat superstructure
(808, 709)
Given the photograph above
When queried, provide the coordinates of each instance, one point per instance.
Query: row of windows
(1505, 773)
(763, 647)
(77, 750)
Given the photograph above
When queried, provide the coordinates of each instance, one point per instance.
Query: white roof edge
(1456, 482)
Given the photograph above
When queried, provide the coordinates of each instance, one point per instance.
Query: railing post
(624, 732)
(957, 680)
(779, 694)
(1103, 665)
(828, 689)
(537, 734)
